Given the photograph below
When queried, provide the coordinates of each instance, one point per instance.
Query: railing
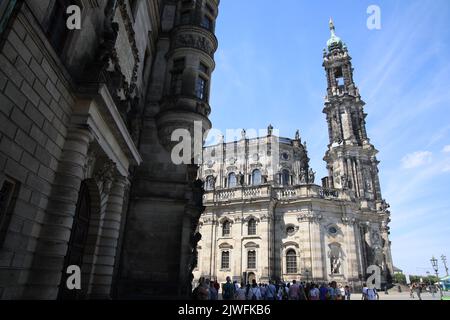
(280, 193)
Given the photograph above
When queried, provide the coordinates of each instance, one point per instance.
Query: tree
(400, 278)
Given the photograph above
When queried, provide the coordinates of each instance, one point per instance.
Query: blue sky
(269, 70)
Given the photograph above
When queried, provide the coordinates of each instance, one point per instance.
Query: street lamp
(434, 263)
(444, 261)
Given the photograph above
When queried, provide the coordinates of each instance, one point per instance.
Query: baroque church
(86, 177)
(267, 219)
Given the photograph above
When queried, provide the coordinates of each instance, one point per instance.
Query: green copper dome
(334, 40)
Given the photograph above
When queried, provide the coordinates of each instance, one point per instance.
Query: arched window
(291, 261)
(232, 181)
(256, 177)
(226, 228)
(251, 259)
(209, 183)
(285, 178)
(225, 261)
(251, 227)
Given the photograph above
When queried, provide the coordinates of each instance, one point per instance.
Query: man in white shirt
(369, 293)
(314, 293)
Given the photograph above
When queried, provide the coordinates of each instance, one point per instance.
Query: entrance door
(251, 277)
(77, 242)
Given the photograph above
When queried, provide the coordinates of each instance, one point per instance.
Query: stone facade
(266, 218)
(80, 111)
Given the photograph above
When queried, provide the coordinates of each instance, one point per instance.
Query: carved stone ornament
(194, 41)
(309, 216)
(105, 176)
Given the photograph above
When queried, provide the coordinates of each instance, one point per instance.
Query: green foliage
(425, 279)
(399, 278)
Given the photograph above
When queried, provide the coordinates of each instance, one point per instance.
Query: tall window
(8, 193)
(200, 88)
(225, 263)
(206, 22)
(251, 259)
(256, 177)
(232, 181)
(177, 76)
(252, 227)
(226, 229)
(203, 68)
(285, 177)
(291, 261)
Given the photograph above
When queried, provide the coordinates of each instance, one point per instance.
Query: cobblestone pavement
(400, 296)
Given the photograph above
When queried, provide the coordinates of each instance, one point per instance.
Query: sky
(269, 71)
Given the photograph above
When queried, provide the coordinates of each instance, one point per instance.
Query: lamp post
(434, 263)
(444, 261)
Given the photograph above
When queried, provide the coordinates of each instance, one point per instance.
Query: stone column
(351, 244)
(264, 259)
(108, 240)
(317, 258)
(52, 244)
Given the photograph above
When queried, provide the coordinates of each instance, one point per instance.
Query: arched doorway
(251, 276)
(77, 242)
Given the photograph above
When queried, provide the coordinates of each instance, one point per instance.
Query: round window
(285, 156)
(290, 230)
(332, 230)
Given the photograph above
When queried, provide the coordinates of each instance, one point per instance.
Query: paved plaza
(400, 296)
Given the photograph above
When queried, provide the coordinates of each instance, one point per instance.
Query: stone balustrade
(280, 193)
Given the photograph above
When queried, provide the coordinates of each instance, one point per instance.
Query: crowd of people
(209, 290)
(419, 288)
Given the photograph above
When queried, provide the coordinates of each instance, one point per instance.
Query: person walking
(202, 290)
(228, 290)
(419, 291)
(283, 292)
(411, 290)
(314, 293)
(270, 291)
(241, 293)
(333, 291)
(323, 292)
(213, 293)
(294, 291)
(370, 293)
(347, 293)
(254, 293)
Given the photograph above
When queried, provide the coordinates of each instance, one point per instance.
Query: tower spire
(351, 159)
(332, 27)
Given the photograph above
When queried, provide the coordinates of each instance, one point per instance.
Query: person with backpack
(254, 293)
(369, 293)
(228, 290)
(282, 292)
(270, 291)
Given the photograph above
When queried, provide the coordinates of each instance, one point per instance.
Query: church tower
(351, 159)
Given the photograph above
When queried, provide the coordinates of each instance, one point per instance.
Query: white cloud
(416, 159)
(446, 149)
